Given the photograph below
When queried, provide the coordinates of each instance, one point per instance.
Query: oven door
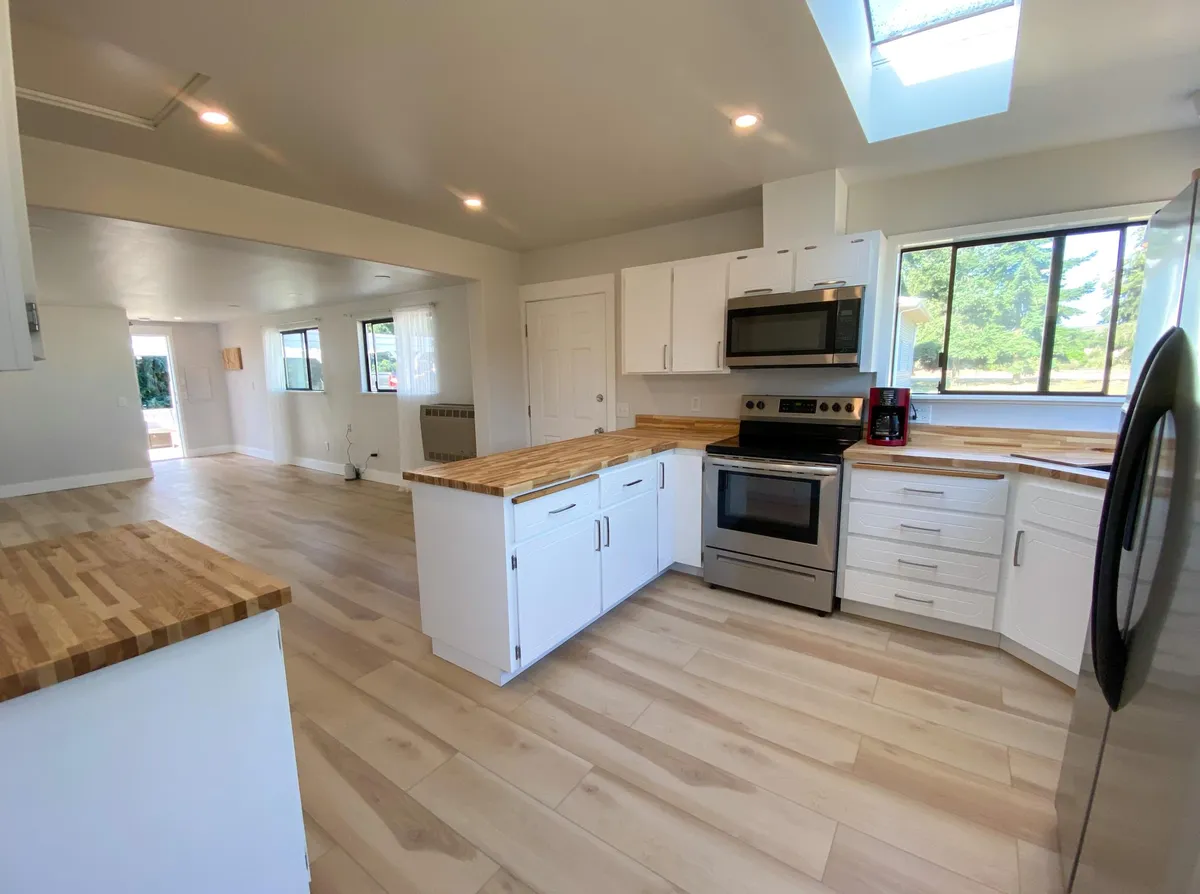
(816, 328)
(773, 510)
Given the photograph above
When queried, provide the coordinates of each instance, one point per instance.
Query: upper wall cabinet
(646, 319)
(763, 271)
(20, 340)
(840, 261)
(698, 315)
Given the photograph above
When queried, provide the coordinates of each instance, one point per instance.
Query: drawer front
(933, 527)
(923, 563)
(972, 609)
(1061, 507)
(627, 480)
(554, 510)
(930, 490)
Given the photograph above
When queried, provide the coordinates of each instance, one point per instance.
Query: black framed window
(302, 360)
(379, 354)
(1043, 313)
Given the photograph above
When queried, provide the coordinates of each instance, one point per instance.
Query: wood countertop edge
(931, 459)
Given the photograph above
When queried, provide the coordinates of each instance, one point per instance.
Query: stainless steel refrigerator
(1129, 797)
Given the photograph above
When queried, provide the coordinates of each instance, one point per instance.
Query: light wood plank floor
(693, 740)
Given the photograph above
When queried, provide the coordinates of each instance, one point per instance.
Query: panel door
(567, 368)
(698, 315)
(1048, 596)
(630, 554)
(646, 319)
(763, 271)
(558, 586)
(665, 466)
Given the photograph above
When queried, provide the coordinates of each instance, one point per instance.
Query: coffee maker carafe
(887, 417)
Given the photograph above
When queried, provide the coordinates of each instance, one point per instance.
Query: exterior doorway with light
(160, 397)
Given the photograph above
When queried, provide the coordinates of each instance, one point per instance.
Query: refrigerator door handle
(1153, 398)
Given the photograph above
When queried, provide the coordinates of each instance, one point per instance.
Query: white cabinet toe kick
(505, 580)
(1004, 559)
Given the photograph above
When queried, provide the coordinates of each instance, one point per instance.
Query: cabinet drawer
(924, 563)
(627, 481)
(972, 609)
(557, 508)
(934, 527)
(1061, 507)
(987, 496)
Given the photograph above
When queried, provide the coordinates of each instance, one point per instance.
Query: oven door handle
(790, 470)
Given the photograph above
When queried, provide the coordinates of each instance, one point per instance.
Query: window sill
(302, 391)
(1065, 399)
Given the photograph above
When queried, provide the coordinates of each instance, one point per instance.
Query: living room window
(302, 360)
(1049, 313)
(379, 355)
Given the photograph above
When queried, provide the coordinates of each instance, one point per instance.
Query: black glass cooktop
(792, 450)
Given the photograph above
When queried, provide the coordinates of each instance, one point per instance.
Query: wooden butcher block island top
(1049, 454)
(517, 471)
(79, 603)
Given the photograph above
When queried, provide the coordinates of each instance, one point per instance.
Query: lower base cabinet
(629, 557)
(558, 585)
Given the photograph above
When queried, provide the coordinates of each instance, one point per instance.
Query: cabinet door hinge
(518, 653)
(280, 632)
(527, 330)
(514, 563)
(529, 411)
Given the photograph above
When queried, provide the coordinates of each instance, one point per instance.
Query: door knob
(599, 398)
(600, 430)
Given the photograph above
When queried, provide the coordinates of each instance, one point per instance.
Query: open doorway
(160, 399)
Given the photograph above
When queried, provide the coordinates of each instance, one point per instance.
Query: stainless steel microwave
(821, 327)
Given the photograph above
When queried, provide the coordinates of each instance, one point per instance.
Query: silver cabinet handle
(632, 483)
(913, 599)
(597, 535)
(1017, 549)
(563, 509)
(931, 567)
(923, 490)
(664, 356)
(920, 528)
(830, 282)
(757, 291)
(662, 476)
(718, 355)
(607, 532)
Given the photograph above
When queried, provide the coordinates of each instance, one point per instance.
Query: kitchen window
(379, 355)
(302, 360)
(1050, 313)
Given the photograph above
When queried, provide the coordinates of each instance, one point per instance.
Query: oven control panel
(843, 410)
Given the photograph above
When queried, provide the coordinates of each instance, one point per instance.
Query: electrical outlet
(622, 411)
(920, 414)
(695, 404)
(326, 446)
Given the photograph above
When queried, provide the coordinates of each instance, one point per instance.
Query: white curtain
(416, 376)
(277, 403)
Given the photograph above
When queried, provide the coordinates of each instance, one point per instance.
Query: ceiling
(572, 119)
(164, 273)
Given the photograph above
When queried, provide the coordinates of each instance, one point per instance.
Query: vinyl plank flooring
(316, 840)
(1033, 773)
(602, 695)
(860, 864)
(1041, 869)
(548, 851)
(681, 849)
(659, 646)
(503, 882)
(337, 873)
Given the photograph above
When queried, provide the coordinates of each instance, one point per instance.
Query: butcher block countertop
(79, 603)
(1058, 454)
(517, 471)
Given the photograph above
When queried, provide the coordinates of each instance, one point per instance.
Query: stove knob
(837, 408)
(849, 408)
(749, 405)
(824, 408)
(761, 405)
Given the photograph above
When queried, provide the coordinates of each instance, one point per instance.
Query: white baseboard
(256, 452)
(212, 451)
(393, 478)
(319, 465)
(73, 481)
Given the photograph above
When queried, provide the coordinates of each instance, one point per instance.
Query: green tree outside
(154, 382)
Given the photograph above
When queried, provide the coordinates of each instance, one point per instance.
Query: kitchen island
(518, 551)
(145, 734)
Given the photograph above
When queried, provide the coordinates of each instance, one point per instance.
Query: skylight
(964, 44)
(890, 19)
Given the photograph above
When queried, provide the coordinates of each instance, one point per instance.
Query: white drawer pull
(920, 528)
(922, 490)
(632, 483)
(930, 566)
(563, 509)
(913, 599)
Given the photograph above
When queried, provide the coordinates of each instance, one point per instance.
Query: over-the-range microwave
(820, 327)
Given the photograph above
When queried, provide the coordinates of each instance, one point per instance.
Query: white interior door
(567, 367)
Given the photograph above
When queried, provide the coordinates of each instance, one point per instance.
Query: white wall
(196, 352)
(62, 423)
(318, 418)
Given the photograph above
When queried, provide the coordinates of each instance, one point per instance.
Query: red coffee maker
(887, 417)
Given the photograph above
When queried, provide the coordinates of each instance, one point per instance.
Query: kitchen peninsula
(518, 551)
(145, 733)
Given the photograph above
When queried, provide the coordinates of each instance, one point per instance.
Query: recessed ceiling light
(144, 319)
(215, 118)
(235, 305)
(473, 203)
(179, 318)
(747, 120)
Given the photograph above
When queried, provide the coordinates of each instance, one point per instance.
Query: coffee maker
(887, 417)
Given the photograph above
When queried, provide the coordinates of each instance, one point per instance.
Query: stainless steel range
(772, 495)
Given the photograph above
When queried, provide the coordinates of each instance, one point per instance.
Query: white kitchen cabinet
(698, 315)
(630, 553)
(646, 319)
(687, 501)
(763, 271)
(838, 261)
(667, 472)
(558, 585)
(20, 343)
